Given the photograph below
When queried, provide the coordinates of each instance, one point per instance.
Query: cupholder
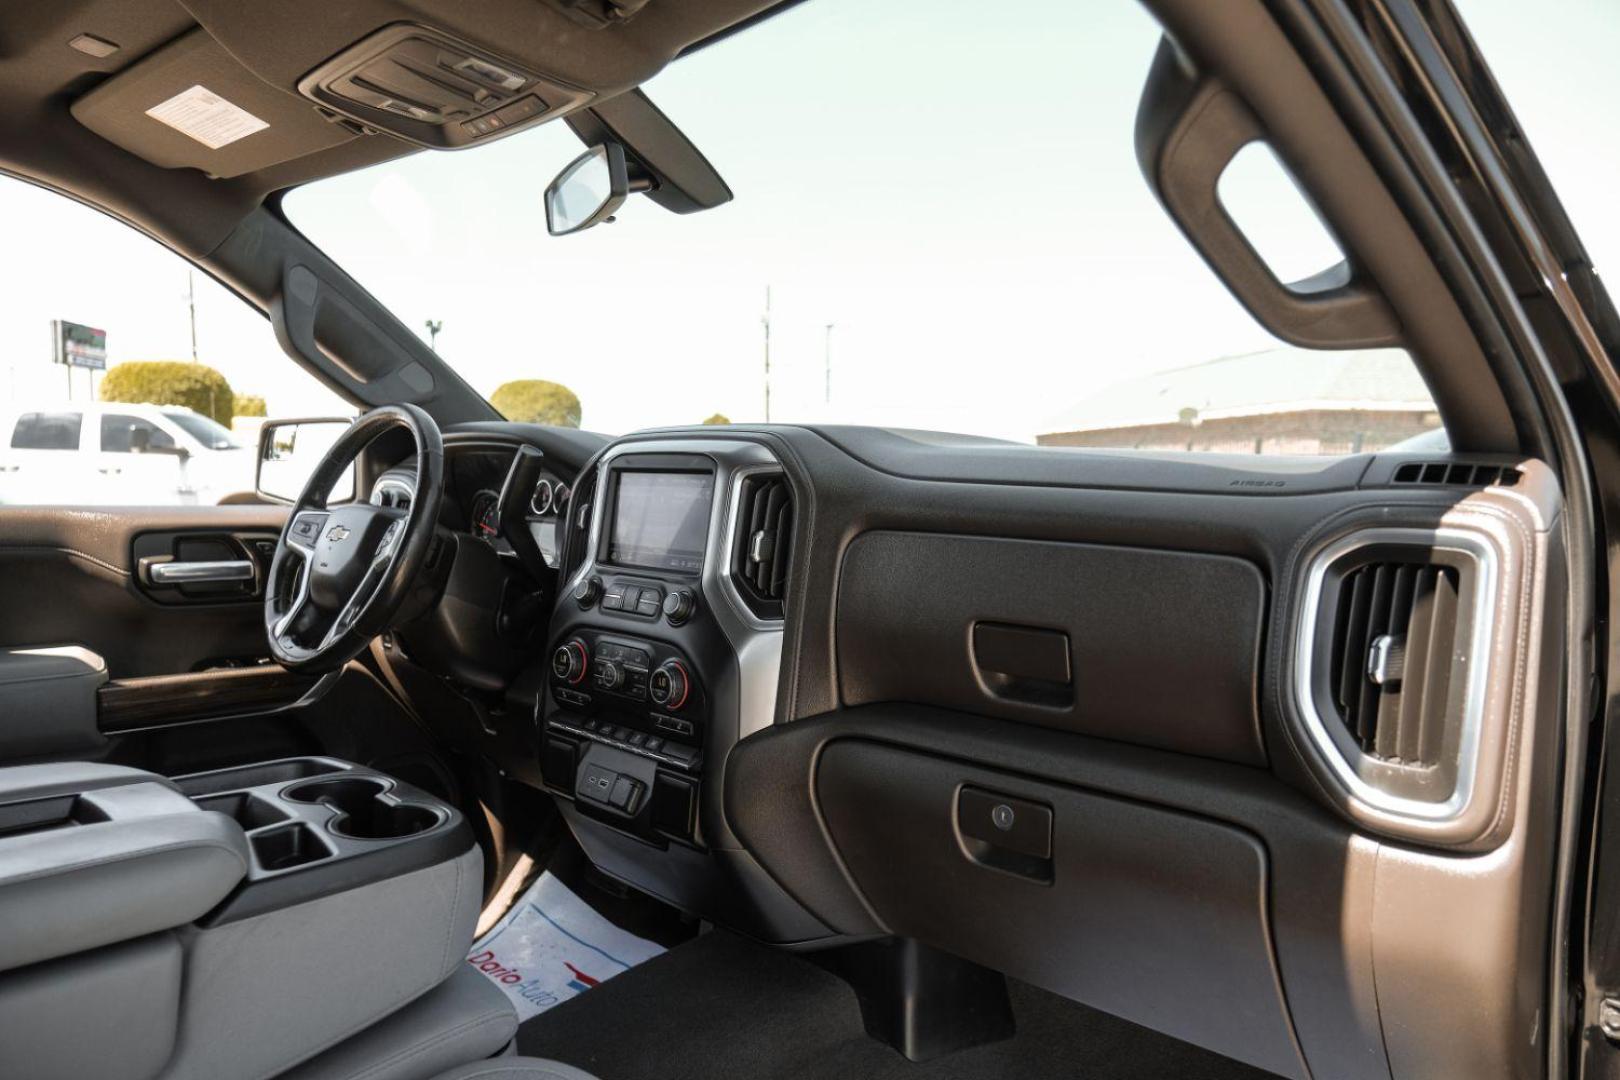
(360, 813)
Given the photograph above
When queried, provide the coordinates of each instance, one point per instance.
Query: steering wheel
(340, 574)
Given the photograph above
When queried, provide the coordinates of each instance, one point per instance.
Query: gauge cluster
(472, 498)
(549, 497)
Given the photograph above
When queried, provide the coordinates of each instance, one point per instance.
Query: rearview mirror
(587, 193)
(290, 451)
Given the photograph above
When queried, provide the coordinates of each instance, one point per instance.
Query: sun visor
(192, 105)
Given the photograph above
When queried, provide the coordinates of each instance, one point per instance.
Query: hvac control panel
(625, 735)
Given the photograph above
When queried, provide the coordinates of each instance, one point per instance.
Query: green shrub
(537, 401)
(718, 418)
(171, 382)
(250, 405)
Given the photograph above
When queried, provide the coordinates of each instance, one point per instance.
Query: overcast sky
(963, 206)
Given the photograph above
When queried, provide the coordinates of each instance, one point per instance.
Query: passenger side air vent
(1456, 474)
(1394, 648)
(762, 548)
(1392, 665)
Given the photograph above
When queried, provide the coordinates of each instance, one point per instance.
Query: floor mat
(723, 1006)
(552, 947)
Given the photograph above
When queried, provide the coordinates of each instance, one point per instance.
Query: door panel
(71, 577)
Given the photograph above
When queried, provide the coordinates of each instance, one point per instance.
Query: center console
(302, 899)
(665, 651)
(636, 648)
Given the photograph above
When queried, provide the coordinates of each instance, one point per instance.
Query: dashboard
(1104, 722)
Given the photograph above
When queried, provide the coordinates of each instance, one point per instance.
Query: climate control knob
(669, 686)
(570, 661)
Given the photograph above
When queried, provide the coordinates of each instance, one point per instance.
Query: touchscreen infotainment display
(661, 520)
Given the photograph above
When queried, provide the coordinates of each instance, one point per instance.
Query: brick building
(1280, 401)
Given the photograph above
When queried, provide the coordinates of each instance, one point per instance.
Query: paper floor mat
(553, 946)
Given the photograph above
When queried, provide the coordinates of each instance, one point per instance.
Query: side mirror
(290, 451)
(589, 190)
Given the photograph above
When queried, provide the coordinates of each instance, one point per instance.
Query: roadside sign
(78, 346)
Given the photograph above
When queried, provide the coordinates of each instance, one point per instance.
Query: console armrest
(48, 700)
(95, 854)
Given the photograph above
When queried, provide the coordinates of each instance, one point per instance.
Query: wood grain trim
(162, 700)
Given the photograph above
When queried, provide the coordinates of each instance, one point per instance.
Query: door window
(47, 431)
(119, 434)
(166, 353)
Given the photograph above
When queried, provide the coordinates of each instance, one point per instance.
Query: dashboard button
(586, 592)
(679, 606)
(613, 599)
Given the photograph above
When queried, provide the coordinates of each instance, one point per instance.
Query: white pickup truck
(112, 453)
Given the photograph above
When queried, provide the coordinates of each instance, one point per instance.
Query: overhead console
(430, 88)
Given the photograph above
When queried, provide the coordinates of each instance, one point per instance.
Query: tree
(250, 405)
(718, 418)
(537, 401)
(171, 382)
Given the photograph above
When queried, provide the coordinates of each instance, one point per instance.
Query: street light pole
(827, 365)
(191, 305)
(767, 323)
(433, 328)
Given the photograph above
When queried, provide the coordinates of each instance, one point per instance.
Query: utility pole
(766, 321)
(191, 305)
(433, 328)
(827, 365)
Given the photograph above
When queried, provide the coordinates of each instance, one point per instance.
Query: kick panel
(1158, 648)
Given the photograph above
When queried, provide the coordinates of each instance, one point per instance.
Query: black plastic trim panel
(1164, 646)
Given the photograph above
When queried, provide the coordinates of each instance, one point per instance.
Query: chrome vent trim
(1393, 788)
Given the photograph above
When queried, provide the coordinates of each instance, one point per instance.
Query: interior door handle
(186, 573)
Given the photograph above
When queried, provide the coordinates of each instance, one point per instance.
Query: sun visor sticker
(206, 117)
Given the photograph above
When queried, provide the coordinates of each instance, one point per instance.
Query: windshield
(210, 434)
(931, 229)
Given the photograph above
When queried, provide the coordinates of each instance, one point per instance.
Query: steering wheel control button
(669, 686)
(679, 606)
(586, 592)
(307, 527)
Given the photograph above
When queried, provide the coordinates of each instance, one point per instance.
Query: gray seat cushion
(516, 1068)
(466, 1018)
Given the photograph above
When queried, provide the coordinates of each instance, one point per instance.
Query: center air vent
(762, 548)
(1394, 648)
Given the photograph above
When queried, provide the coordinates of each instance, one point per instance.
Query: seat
(516, 1068)
(465, 1018)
